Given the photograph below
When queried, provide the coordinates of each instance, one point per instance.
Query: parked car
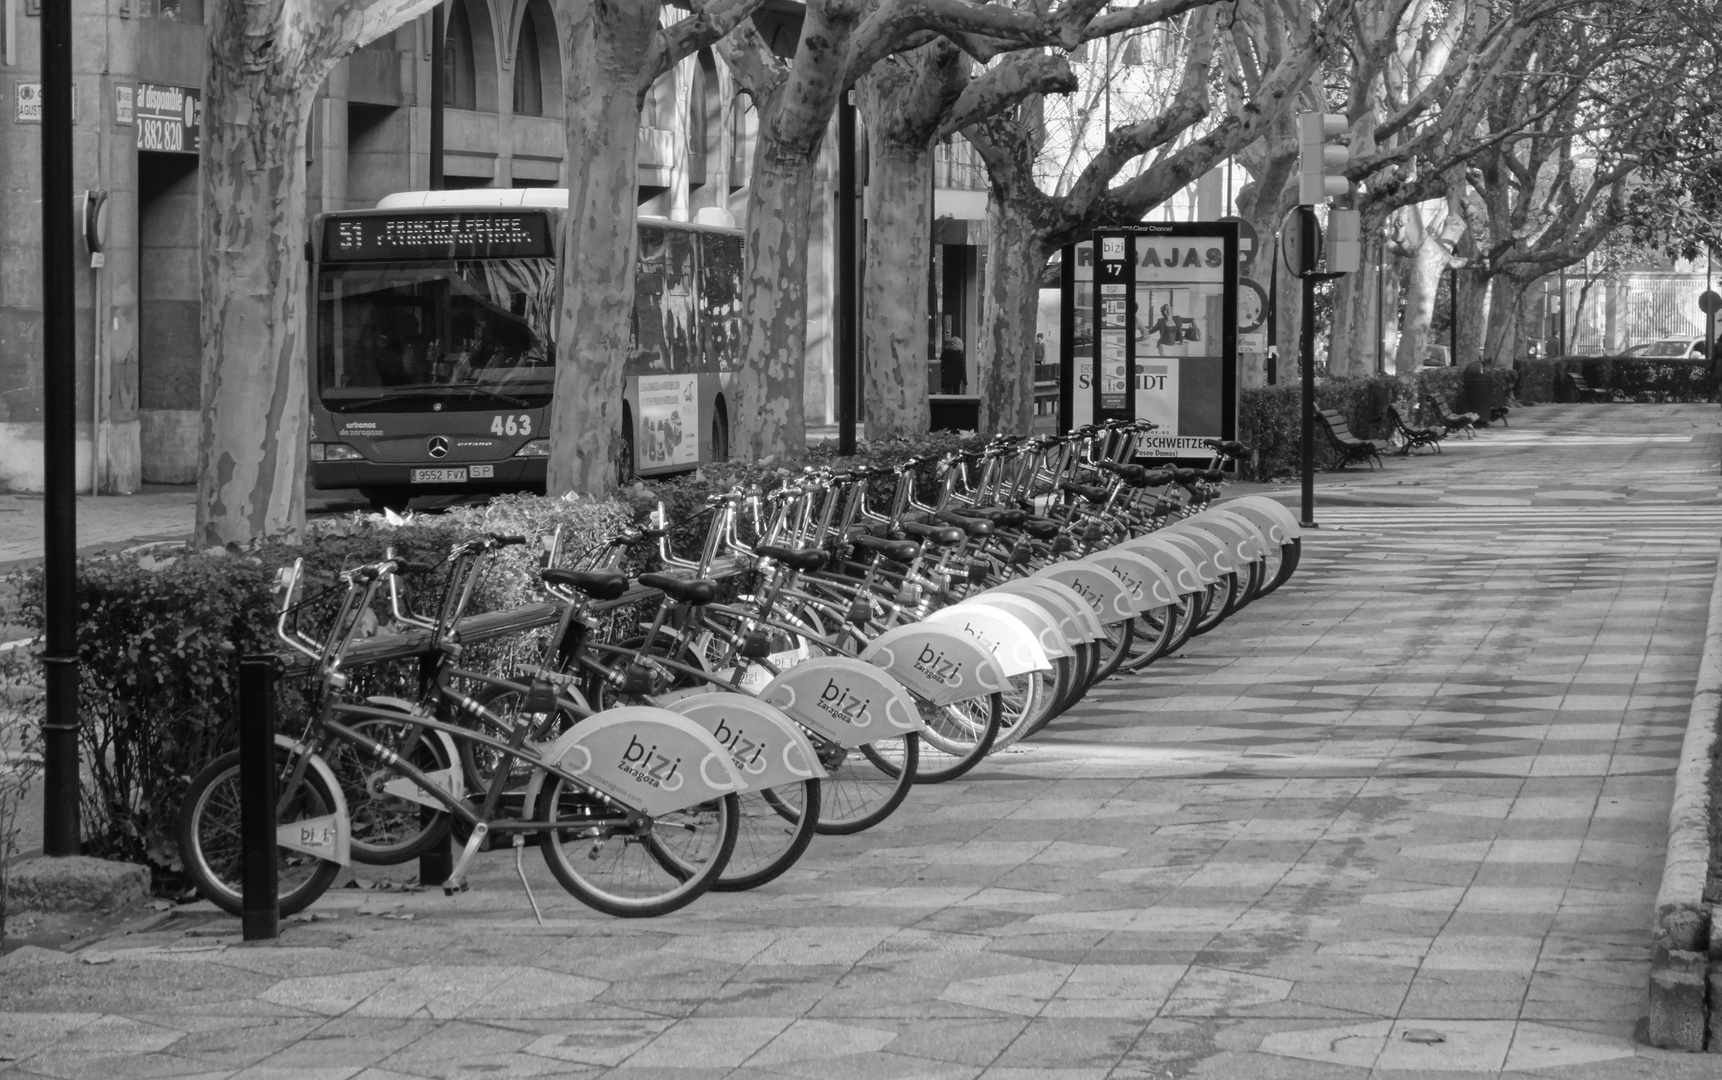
(1671, 348)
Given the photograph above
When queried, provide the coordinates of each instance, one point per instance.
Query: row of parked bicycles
(839, 639)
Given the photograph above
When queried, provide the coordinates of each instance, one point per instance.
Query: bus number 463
(511, 425)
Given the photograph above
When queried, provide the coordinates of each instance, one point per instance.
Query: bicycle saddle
(1042, 528)
(1157, 478)
(974, 526)
(1212, 476)
(1229, 447)
(795, 558)
(895, 550)
(1086, 491)
(688, 590)
(1005, 517)
(598, 584)
(1184, 476)
(1132, 474)
(940, 535)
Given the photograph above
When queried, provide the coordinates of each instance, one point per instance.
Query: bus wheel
(720, 435)
(385, 498)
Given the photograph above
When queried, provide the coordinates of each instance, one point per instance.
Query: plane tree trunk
(264, 65)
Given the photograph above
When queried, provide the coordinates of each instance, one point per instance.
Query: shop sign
(30, 103)
(169, 119)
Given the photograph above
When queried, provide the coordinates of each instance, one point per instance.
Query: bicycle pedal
(449, 888)
(756, 645)
(909, 594)
(860, 611)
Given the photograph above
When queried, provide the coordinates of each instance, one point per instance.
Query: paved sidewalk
(1403, 818)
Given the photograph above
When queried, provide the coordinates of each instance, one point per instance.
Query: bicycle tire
(1114, 646)
(387, 830)
(772, 832)
(857, 793)
(210, 843)
(1222, 601)
(1155, 630)
(958, 736)
(1025, 699)
(646, 875)
(478, 761)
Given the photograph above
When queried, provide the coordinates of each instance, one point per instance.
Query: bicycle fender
(938, 664)
(450, 779)
(648, 759)
(1142, 578)
(844, 700)
(1172, 561)
(327, 837)
(765, 746)
(1280, 512)
(1202, 549)
(1270, 526)
(1012, 644)
(1105, 594)
(1043, 624)
(1076, 619)
(1257, 531)
(1240, 539)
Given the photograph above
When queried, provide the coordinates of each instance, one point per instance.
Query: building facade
(139, 72)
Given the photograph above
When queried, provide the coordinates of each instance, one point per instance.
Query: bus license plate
(439, 476)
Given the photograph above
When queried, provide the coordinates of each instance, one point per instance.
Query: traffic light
(1344, 241)
(1321, 162)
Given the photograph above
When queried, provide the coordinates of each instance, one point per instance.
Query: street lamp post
(61, 832)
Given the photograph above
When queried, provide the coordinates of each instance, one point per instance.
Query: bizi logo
(747, 754)
(644, 763)
(934, 665)
(839, 702)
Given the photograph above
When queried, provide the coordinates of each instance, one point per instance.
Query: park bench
(1452, 421)
(1413, 437)
(1585, 391)
(1347, 446)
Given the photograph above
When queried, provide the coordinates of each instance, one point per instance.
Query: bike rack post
(260, 904)
(436, 864)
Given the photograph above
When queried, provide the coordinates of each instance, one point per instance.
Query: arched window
(459, 81)
(528, 79)
(537, 63)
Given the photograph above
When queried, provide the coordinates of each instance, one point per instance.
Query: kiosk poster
(1163, 332)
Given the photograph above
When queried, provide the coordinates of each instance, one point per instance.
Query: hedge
(1268, 416)
(160, 630)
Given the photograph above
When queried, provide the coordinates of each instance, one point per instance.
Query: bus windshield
(464, 334)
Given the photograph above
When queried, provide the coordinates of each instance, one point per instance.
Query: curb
(1680, 931)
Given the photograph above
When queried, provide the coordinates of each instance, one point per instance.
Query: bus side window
(649, 344)
(720, 300)
(678, 304)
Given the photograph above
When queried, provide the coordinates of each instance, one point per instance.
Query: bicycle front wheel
(773, 830)
(210, 842)
(863, 787)
(957, 737)
(611, 866)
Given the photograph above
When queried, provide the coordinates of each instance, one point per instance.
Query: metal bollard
(260, 905)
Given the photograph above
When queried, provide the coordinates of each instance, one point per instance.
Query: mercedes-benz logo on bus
(437, 446)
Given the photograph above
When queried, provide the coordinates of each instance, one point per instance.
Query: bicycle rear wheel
(957, 737)
(209, 835)
(387, 829)
(611, 867)
(773, 830)
(862, 788)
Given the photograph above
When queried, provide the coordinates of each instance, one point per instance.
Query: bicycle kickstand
(519, 850)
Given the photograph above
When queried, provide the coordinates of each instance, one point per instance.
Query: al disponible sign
(169, 119)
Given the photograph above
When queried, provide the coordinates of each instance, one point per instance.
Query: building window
(528, 75)
(459, 81)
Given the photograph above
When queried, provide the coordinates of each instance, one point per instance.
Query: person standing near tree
(953, 370)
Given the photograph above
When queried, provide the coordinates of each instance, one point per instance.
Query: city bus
(434, 343)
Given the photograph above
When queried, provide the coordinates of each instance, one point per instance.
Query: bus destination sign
(421, 235)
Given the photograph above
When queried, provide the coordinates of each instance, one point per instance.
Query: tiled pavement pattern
(1402, 819)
